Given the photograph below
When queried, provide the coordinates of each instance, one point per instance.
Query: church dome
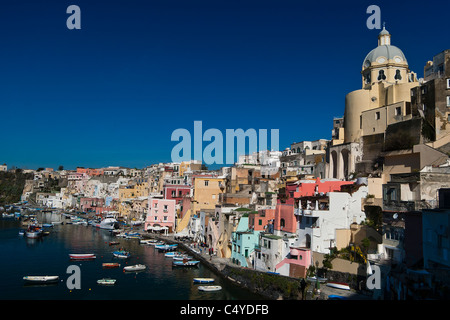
(384, 52)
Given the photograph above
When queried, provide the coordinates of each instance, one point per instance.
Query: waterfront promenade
(218, 264)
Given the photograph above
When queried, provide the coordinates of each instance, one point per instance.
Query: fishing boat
(121, 254)
(137, 267)
(41, 279)
(203, 280)
(339, 285)
(209, 288)
(186, 263)
(110, 265)
(82, 256)
(108, 223)
(108, 282)
(33, 232)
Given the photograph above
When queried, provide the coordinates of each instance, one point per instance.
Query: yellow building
(206, 192)
(130, 192)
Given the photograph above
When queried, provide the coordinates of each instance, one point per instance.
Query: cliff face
(12, 185)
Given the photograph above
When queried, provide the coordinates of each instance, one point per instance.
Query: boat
(108, 223)
(112, 243)
(82, 256)
(22, 232)
(108, 282)
(209, 288)
(203, 280)
(56, 223)
(41, 279)
(314, 279)
(121, 254)
(47, 225)
(186, 263)
(33, 232)
(136, 267)
(109, 265)
(339, 285)
(336, 297)
(181, 258)
(147, 241)
(166, 247)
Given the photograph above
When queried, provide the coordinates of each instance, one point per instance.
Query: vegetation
(266, 282)
(11, 185)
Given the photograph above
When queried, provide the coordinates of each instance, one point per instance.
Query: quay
(224, 268)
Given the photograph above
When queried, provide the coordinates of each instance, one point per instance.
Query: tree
(60, 168)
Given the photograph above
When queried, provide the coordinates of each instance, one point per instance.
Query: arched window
(282, 223)
(398, 76)
(381, 75)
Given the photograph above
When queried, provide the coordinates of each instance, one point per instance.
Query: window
(377, 115)
(260, 222)
(398, 111)
(398, 76)
(448, 101)
(448, 83)
(165, 218)
(206, 183)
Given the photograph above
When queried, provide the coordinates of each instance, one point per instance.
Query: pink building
(296, 264)
(91, 204)
(261, 220)
(161, 215)
(285, 220)
(176, 192)
(304, 189)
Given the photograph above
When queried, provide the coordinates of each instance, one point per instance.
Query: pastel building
(161, 214)
(244, 242)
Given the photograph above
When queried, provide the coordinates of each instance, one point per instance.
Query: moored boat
(181, 258)
(137, 267)
(41, 279)
(82, 256)
(209, 288)
(339, 285)
(121, 254)
(107, 281)
(112, 243)
(186, 263)
(109, 265)
(203, 280)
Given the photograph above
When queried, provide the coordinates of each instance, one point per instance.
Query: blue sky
(113, 92)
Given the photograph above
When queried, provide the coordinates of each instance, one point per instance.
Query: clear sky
(113, 92)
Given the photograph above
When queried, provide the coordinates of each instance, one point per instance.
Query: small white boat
(82, 256)
(108, 282)
(209, 288)
(338, 285)
(41, 279)
(137, 267)
(203, 280)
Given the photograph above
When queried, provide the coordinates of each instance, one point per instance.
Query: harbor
(147, 273)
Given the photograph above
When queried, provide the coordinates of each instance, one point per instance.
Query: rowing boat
(137, 267)
(82, 256)
(203, 280)
(108, 265)
(338, 285)
(209, 288)
(41, 279)
(108, 282)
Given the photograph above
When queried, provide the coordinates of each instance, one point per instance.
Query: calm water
(21, 256)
